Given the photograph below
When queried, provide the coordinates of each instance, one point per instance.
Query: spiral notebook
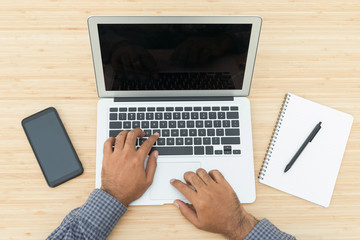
(313, 175)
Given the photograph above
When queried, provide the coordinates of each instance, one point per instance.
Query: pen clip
(314, 134)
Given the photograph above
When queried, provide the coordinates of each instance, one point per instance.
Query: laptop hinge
(172, 99)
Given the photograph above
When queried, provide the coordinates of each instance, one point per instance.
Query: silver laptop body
(186, 77)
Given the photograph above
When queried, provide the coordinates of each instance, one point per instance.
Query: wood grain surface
(309, 48)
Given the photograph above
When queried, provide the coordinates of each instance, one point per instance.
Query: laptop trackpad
(161, 189)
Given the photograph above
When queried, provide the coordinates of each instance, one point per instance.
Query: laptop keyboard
(183, 130)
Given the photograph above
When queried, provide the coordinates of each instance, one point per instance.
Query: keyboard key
(236, 151)
(179, 108)
(234, 108)
(208, 124)
(224, 108)
(190, 124)
(179, 141)
(215, 140)
(216, 108)
(217, 152)
(188, 141)
(154, 124)
(131, 116)
(217, 123)
(156, 131)
(147, 132)
(221, 115)
(114, 133)
(172, 124)
(145, 124)
(203, 115)
(232, 132)
(161, 141)
(206, 108)
(158, 116)
(176, 115)
(149, 116)
(192, 132)
(212, 115)
(163, 124)
(197, 108)
(115, 125)
(160, 109)
(127, 125)
(151, 109)
(183, 132)
(235, 123)
(232, 115)
(141, 109)
(188, 109)
(230, 140)
(211, 132)
(132, 109)
(206, 141)
(170, 141)
(226, 123)
(181, 124)
(165, 133)
(113, 109)
(140, 116)
(170, 109)
(209, 150)
(142, 140)
(174, 150)
(199, 150)
(167, 116)
(135, 124)
(122, 116)
(227, 152)
(122, 109)
(219, 132)
(227, 148)
(202, 132)
(185, 115)
(197, 141)
(199, 124)
(174, 132)
(194, 115)
(113, 116)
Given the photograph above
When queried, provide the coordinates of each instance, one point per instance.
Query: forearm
(94, 220)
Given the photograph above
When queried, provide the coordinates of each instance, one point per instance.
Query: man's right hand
(216, 207)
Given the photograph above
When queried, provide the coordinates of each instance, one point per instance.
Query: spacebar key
(174, 150)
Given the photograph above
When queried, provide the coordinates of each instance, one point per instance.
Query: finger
(108, 146)
(204, 176)
(120, 140)
(148, 144)
(217, 176)
(194, 180)
(184, 189)
(187, 212)
(151, 166)
(132, 136)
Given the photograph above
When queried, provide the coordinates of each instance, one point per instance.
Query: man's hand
(216, 207)
(123, 173)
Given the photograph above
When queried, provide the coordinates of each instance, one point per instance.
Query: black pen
(308, 139)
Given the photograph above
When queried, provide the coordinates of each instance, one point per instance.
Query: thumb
(151, 166)
(187, 212)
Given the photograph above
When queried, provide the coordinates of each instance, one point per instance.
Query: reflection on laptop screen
(173, 56)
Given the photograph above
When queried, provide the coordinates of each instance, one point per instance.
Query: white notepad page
(313, 175)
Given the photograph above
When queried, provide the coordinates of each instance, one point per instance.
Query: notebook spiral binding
(274, 137)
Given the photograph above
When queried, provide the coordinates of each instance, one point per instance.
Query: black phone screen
(52, 147)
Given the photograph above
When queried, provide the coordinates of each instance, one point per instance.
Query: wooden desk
(309, 48)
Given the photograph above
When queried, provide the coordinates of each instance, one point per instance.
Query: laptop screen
(174, 56)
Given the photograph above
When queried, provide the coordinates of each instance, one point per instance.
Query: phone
(52, 147)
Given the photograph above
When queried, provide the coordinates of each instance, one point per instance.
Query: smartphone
(52, 147)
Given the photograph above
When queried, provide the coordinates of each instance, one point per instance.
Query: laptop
(186, 77)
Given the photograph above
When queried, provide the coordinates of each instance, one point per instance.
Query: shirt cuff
(266, 230)
(102, 211)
